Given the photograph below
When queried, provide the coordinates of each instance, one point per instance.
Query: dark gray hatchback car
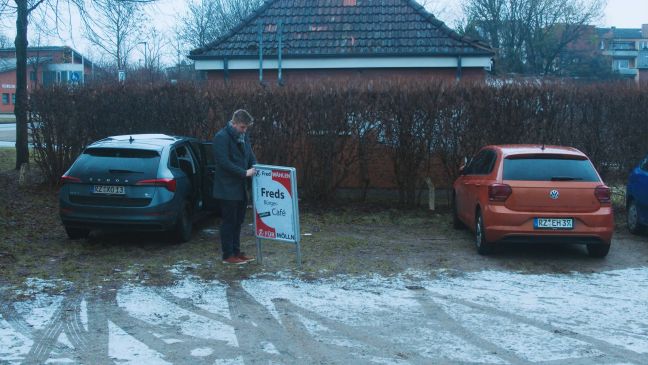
(146, 182)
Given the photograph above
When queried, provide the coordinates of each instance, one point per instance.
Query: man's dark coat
(233, 157)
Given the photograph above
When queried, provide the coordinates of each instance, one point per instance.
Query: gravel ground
(378, 285)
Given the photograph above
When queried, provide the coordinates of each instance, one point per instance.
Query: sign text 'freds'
(276, 194)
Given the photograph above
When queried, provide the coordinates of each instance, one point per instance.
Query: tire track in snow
(366, 336)
(434, 310)
(189, 306)
(254, 326)
(618, 353)
(143, 331)
(46, 340)
(15, 320)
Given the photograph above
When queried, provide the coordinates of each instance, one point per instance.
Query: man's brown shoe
(245, 258)
(233, 260)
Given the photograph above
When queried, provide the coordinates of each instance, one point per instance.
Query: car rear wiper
(565, 178)
(116, 171)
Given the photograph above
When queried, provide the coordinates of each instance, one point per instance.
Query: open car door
(208, 170)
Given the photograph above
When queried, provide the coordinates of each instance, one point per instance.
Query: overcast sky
(619, 13)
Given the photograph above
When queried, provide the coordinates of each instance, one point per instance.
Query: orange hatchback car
(530, 193)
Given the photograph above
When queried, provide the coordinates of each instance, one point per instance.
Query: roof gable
(320, 28)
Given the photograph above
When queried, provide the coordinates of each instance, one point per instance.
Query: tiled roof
(620, 33)
(325, 28)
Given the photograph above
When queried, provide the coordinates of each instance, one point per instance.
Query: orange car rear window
(534, 168)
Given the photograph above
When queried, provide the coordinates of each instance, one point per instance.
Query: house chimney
(644, 31)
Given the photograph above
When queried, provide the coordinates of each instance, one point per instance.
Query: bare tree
(23, 10)
(116, 27)
(207, 20)
(156, 45)
(4, 41)
(530, 34)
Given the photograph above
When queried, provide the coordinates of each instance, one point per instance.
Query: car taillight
(499, 192)
(65, 179)
(603, 194)
(169, 184)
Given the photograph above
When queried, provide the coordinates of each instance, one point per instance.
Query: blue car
(145, 182)
(637, 198)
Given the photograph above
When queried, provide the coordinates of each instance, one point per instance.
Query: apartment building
(628, 50)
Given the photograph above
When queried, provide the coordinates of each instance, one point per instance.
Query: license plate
(553, 223)
(109, 189)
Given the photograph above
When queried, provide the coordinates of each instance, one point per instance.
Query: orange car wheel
(483, 246)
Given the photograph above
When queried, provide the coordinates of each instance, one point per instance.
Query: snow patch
(40, 310)
(13, 345)
(83, 315)
(269, 348)
(236, 361)
(125, 349)
(64, 340)
(609, 306)
(145, 304)
(211, 296)
(202, 352)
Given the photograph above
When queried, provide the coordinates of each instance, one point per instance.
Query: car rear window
(121, 152)
(119, 160)
(548, 168)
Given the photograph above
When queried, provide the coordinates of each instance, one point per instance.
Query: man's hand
(250, 172)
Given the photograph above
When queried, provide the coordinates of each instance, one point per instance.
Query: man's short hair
(241, 116)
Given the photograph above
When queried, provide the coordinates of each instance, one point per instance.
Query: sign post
(276, 211)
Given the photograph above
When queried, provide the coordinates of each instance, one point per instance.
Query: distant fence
(363, 136)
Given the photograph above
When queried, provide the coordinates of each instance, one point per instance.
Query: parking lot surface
(379, 285)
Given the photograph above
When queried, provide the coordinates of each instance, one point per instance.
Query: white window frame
(618, 64)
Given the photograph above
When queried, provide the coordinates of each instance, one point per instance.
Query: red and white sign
(275, 203)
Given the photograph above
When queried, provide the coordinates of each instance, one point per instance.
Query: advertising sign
(276, 212)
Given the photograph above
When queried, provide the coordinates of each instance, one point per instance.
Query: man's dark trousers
(232, 217)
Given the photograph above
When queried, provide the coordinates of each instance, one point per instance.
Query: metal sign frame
(296, 232)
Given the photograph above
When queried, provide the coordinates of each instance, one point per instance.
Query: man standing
(234, 160)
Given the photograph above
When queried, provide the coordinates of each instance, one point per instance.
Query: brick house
(307, 40)
(45, 66)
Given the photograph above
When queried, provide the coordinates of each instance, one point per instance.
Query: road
(7, 134)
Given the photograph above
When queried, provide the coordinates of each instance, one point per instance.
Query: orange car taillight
(65, 179)
(603, 194)
(499, 192)
(169, 184)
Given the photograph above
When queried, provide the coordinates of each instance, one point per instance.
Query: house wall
(345, 75)
(7, 87)
(643, 76)
(61, 61)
